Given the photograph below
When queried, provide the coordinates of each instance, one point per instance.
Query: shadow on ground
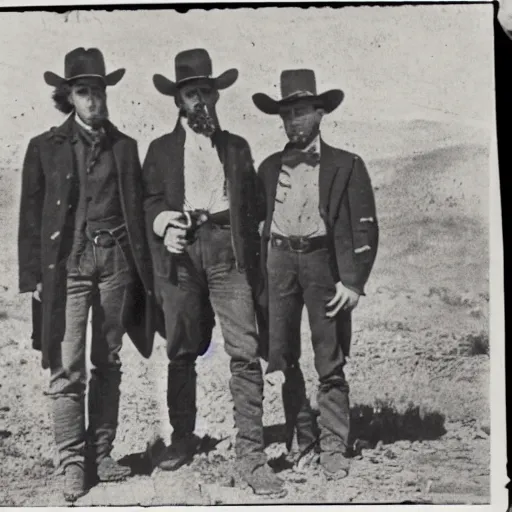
(380, 422)
(143, 463)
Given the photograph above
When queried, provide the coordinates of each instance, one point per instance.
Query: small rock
(227, 482)
(225, 445)
(409, 476)
(23, 361)
(402, 445)
(379, 445)
(5, 408)
(485, 427)
(4, 433)
(390, 454)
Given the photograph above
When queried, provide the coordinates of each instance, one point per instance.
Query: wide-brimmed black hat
(297, 84)
(82, 63)
(193, 65)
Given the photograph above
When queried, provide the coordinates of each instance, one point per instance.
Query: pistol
(191, 221)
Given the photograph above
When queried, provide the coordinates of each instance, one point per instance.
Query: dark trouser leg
(285, 307)
(67, 388)
(232, 300)
(181, 396)
(333, 394)
(68, 376)
(188, 324)
(299, 415)
(115, 277)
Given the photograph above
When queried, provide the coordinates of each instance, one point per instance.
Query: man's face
(88, 97)
(197, 100)
(301, 121)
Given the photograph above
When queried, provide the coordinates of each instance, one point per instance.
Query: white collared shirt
(204, 174)
(296, 211)
(85, 126)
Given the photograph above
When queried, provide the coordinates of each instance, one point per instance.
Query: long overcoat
(347, 207)
(49, 198)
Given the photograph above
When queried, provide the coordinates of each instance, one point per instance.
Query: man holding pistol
(200, 208)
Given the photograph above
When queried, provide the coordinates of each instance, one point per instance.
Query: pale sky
(394, 63)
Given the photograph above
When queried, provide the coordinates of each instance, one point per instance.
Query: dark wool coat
(347, 206)
(48, 201)
(163, 172)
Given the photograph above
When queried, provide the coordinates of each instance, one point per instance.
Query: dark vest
(99, 205)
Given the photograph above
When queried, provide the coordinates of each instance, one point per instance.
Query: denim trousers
(209, 280)
(99, 282)
(294, 280)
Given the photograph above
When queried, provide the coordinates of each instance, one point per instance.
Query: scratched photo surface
(419, 109)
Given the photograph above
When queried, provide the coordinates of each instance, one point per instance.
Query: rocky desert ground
(419, 369)
(419, 109)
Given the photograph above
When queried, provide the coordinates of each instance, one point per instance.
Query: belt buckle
(303, 244)
(98, 234)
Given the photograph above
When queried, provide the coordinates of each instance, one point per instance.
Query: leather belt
(106, 237)
(298, 244)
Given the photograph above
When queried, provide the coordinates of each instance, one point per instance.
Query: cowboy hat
(192, 65)
(297, 84)
(82, 63)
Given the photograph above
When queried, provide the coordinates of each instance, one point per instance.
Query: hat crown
(192, 63)
(84, 62)
(296, 82)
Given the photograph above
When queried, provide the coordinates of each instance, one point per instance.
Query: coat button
(68, 176)
(51, 266)
(55, 235)
(58, 202)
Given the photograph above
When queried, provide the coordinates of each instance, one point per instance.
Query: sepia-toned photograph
(246, 256)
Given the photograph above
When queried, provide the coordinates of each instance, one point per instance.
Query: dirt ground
(418, 371)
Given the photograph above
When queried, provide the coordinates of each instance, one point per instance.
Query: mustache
(99, 118)
(200, 120)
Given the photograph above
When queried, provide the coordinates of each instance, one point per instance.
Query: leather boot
(181, 404)
(246, 386)
(334, 423)
(68, 413)
(104, 396)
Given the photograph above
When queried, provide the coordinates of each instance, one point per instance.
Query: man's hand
(163, 219)
(344, 298)
(175, 240)
(38, 292)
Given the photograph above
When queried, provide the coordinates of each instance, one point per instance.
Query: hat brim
(328, 101)
(170, 88)
(111, 79)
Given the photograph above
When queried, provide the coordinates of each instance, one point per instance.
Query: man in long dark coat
(207, 173)
(82, 244)
(319, 242)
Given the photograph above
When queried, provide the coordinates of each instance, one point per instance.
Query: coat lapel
(328, 171)
(64, 165)
(173, 161)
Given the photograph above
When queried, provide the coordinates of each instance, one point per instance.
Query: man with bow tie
(201, 211)
(319, 242)
(83, 246)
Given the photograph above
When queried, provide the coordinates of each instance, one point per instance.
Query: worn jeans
(295, 279)
(101, 282)
(207, 275)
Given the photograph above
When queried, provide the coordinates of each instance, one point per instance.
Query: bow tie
(293, 157)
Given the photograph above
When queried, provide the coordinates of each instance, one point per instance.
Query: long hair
(60, 98)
